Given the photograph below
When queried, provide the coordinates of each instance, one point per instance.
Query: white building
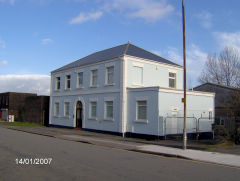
(126, 89)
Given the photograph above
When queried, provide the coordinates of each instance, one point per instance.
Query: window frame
(78, 78)
(56, 113)
(91, 109)
(57, 83)
(65, 110)
(141, 81)
(67, 82)
(92, 78)
(172, 78)
(106, 110)
(108, 73)
(138, 119)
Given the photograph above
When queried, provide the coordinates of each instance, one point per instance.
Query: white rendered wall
(85, 94)
(154, 74)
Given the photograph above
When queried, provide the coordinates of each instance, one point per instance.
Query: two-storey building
(126, 89)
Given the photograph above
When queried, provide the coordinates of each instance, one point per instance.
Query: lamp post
(184, 79)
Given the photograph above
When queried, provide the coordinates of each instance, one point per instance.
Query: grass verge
(225, 145)
(25, 124)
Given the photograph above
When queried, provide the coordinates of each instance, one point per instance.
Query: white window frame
(137, 111)
(78, 77)
(67, 80)
(91, 109)
(106, 101)
(92, 81)
(172, 78)
(107, 75)
(141, 81)
(65, 109)
(56, 114)
(57, 82)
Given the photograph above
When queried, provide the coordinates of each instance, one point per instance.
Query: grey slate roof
(118, 51)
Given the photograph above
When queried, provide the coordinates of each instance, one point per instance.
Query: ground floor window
(108, 113)
(141, 110)
(93, 109)
(66, 109)
(56, 108)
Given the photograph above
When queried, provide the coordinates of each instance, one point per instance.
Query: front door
(79, 114)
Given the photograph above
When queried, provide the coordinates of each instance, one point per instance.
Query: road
(80, 161)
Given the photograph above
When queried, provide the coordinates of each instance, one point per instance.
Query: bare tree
(224, 69)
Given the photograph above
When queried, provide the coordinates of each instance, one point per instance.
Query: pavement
(130, 144)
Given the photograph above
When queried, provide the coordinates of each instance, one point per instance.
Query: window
(80, 80)
(108, 113)
(57, 85)
(66, 109)
(110, 75)
(172, 80)
(94, 78)
(56, 109)
(93, 109)
(68, 82)
(210, 114)
(137, 75)
(141, 110)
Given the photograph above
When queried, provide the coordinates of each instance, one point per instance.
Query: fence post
(165, 128)
(197, 127)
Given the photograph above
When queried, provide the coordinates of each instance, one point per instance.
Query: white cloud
(2, 44)
(8, 1)
(205, 19)
(83, 17)
(228, 39)
(149, 10)
(4, 62)
(46, 41)
(32, 83)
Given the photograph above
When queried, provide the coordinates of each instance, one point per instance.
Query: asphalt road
(79, 161)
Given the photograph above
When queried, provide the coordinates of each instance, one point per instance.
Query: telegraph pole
(184, 78)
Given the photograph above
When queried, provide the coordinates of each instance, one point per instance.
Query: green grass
(226, 144)
(25, 124)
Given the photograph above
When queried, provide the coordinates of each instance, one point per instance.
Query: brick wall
(26, 107)
(36, 109)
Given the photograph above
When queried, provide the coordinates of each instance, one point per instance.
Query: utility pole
(184, 78)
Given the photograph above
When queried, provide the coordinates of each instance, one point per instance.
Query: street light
(184, 79)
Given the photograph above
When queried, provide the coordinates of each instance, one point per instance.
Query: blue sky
(38, 36)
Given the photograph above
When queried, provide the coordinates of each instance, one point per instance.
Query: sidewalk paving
(210, 157)
(130, 144)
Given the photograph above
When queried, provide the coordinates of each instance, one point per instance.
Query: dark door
(79, 114)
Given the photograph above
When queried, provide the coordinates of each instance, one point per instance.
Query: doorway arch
(79, 114)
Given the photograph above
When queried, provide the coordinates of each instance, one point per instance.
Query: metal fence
(174, 125)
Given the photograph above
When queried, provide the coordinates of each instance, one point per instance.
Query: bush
(219, 130)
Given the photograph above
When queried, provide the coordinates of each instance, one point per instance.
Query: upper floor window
(110, 75)
(57, 83)
(141, 110)
(94, 77)
(66, 108)
(138, 75)
(172, 80)
(80, 80)
(68, 82)
(56, 108)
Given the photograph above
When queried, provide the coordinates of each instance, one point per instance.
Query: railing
(174, 125)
